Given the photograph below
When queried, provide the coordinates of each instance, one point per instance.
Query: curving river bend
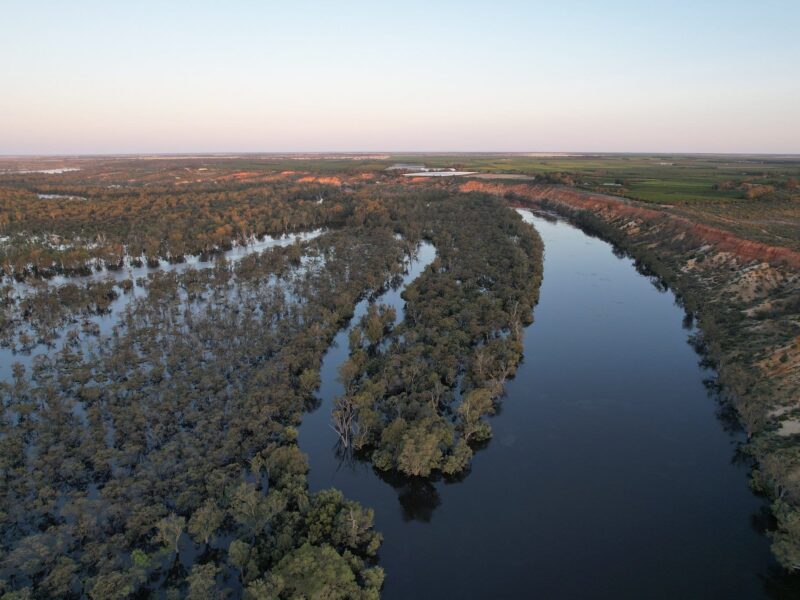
(609, 475)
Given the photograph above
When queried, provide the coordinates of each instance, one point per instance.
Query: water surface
(610, 473)
(106, 322)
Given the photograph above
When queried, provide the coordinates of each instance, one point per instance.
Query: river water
(610, 473)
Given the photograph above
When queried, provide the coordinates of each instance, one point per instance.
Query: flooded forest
(234, 378)
(159, 354)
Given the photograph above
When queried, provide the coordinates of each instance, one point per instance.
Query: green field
(672, 179)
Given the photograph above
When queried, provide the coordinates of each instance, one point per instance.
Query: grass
(651, 178)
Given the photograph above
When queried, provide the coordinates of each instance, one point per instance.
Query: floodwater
(60, 197)
(106, 322)
(611, 473)
(439, 174)
(45, 171)
(317, 438)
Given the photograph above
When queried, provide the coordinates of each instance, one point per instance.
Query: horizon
(388, 154)
(91, 78)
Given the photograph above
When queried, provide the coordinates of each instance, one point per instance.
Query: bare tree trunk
(343, 420)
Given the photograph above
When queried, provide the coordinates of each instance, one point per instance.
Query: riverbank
(744, 295)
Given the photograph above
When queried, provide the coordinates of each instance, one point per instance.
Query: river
(611, 473)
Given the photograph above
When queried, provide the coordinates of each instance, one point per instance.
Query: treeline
(57, 235)
(163, 458)
(417, 394)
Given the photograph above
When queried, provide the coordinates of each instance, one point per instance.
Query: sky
(250, 76)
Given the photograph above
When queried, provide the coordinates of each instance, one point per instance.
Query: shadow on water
(418, 496)
(608, 475)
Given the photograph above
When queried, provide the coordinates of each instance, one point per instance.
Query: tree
(474, 405)
(309, 381)
(420, 452)
(239, 555)
(314, 572)
(205, 521)
(253, 510)
(786, 539)
(202, 582)
(61, 578)
(344, 524)
(169, 530)
(116, 585)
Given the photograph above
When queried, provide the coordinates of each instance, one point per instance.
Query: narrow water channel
(317, 439)
(610, 473)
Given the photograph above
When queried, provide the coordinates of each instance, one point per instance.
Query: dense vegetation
(164, 457)
(159, 456)
(49, 236)
(416, 394)
(192, 205)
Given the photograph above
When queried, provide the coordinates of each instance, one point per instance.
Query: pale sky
(247, 75)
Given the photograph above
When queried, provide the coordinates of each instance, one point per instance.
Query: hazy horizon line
(388, 153)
